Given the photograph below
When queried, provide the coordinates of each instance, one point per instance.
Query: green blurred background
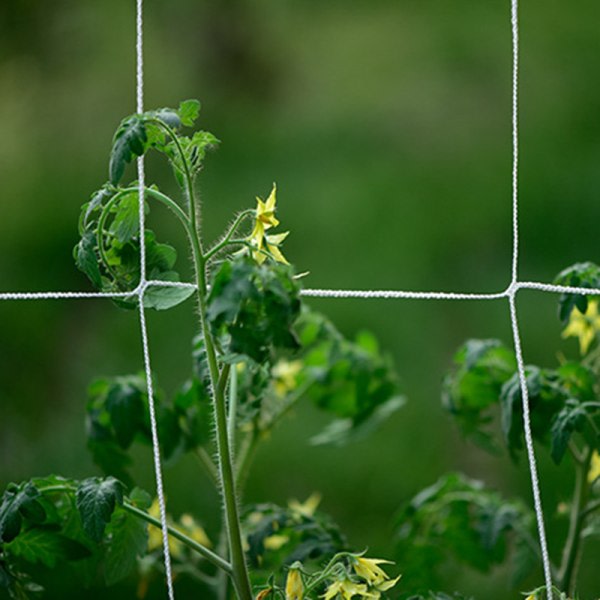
(386, 125)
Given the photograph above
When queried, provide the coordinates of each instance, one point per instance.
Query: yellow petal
(388, 585)
(308, 507)
(294, 587)
(594, 472)
(274, 542)
(277, 255)
(270, 203)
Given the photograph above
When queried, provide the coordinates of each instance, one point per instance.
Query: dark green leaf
(571, 418)
(169, 116)
(96, 501)
(46, 546)
(96, 201)
(585, 275)
(546, 398)
(129, 141)
(125, 404)
(253, 308)
(309, 537)
(457, 518)
(86, 259)
(19, 502)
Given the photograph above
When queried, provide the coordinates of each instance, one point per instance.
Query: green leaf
(169, 116)
(457, 518)
(140, 498)
(86, 259)
(585, 275)
(472, 389)
(253, 308)
(546, 397)
(125, 404)
(307, 537)
(96, 201)
(19, 502)
(188, 112)
(126, 223)
(96, 501)
(163, 297)
(352, 381)
(129, 141)
(344, 431)
(46, 546)
(571, 418)
(128, 539)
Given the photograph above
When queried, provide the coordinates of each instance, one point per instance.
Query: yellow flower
(186, 525)
(274, 542)
(294, 588)
(265, 217)
(284, 376)
(264, 220)
(347, 590)
(155, 536)
(193, 530)
(584, 326)
(308, 507)
(272, 243)
(368, 569)
(594, 472)
(264, 593)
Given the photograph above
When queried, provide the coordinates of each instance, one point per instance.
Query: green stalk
(570, 559)
(218, 380)
(215, 559)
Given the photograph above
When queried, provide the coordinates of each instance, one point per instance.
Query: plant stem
(227, 239)
(570, 559)
(218, 381)
(215, 559)
(232, 408)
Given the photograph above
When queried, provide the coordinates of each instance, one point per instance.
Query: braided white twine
(509, 294)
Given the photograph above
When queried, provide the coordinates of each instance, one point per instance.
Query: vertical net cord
(141, 290)
(513, 288)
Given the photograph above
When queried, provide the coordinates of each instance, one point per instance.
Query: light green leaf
(188, 112)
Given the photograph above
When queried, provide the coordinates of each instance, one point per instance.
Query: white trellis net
(509, 294)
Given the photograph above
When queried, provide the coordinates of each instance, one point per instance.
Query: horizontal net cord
(80, 295)
(326, 293)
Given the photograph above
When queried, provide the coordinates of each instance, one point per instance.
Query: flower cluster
(354, 578)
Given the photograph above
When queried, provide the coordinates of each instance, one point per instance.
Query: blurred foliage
(386, 126)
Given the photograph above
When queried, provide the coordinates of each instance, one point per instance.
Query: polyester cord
(142, 288)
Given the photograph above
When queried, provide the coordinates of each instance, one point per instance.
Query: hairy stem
(218, 381)
(227, 239)
(570, 559)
